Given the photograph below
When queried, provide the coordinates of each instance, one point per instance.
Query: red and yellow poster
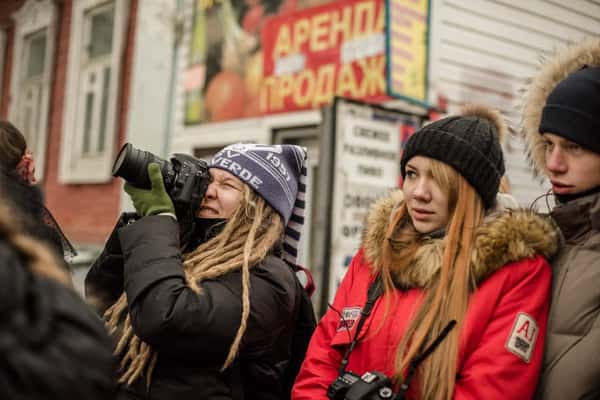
(224, 67)
(315, 54)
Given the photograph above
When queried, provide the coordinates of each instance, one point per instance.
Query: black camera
(186, 178)
(370, 386)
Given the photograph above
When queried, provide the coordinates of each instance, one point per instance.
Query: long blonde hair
(247, 238)
(448, 294)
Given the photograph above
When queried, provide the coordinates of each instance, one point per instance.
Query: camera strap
(415, 362)
(374, 292)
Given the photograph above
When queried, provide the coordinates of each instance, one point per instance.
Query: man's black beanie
(470, 144)
(572, 109)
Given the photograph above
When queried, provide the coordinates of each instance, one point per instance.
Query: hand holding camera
(153, 201)
(156, 185)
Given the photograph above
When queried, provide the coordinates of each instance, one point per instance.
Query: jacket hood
(505, 236)
(552, 72)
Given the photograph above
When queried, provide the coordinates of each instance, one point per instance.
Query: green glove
(153, 201)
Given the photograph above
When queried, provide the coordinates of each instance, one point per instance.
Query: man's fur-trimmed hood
(552, 72)
(504, 237)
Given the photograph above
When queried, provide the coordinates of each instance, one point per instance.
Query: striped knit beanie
(278, 174)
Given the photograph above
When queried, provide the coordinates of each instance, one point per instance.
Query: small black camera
(186, 178)
(371, 385)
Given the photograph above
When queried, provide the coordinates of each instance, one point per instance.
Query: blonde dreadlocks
(249, 235)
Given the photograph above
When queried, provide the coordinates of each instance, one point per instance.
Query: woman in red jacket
(444, 250)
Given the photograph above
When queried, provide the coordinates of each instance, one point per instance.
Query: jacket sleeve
(104, 281)
(322, 362)
(506, 362)
(166, 313)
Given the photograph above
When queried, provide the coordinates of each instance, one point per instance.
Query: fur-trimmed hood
(552, 72)
(504, 237)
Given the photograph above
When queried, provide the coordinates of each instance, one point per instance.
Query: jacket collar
(578, 216)
(504, 237)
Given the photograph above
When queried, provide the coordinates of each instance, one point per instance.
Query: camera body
(186, 178)
(371, 385)
(190, 180)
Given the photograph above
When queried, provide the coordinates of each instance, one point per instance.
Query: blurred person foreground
(52, 344)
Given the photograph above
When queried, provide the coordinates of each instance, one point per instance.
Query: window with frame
(90, 113)
(31, 87)
(95, 80)
(35, 24)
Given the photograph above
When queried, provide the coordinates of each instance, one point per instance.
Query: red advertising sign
(313, 55)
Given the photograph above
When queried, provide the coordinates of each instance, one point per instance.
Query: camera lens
(121, 159)
(131, 164)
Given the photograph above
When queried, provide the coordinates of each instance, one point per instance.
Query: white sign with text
(367, 167)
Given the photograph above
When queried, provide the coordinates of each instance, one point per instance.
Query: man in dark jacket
(562, 126)
(215, 319)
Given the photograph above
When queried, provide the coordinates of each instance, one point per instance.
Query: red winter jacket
(502, 339)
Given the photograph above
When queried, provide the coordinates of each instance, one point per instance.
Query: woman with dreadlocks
(53, 347)
(215, 320)
(465, 284)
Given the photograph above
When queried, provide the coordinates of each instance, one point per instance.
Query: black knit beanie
(572, 109)
(470, 144)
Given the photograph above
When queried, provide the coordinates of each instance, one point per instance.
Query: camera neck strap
(374, 292)
(416, 361)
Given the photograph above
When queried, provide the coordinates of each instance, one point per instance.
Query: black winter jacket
(52, 344)
(193, 333)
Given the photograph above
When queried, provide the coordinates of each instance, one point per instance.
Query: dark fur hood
(505, 236)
